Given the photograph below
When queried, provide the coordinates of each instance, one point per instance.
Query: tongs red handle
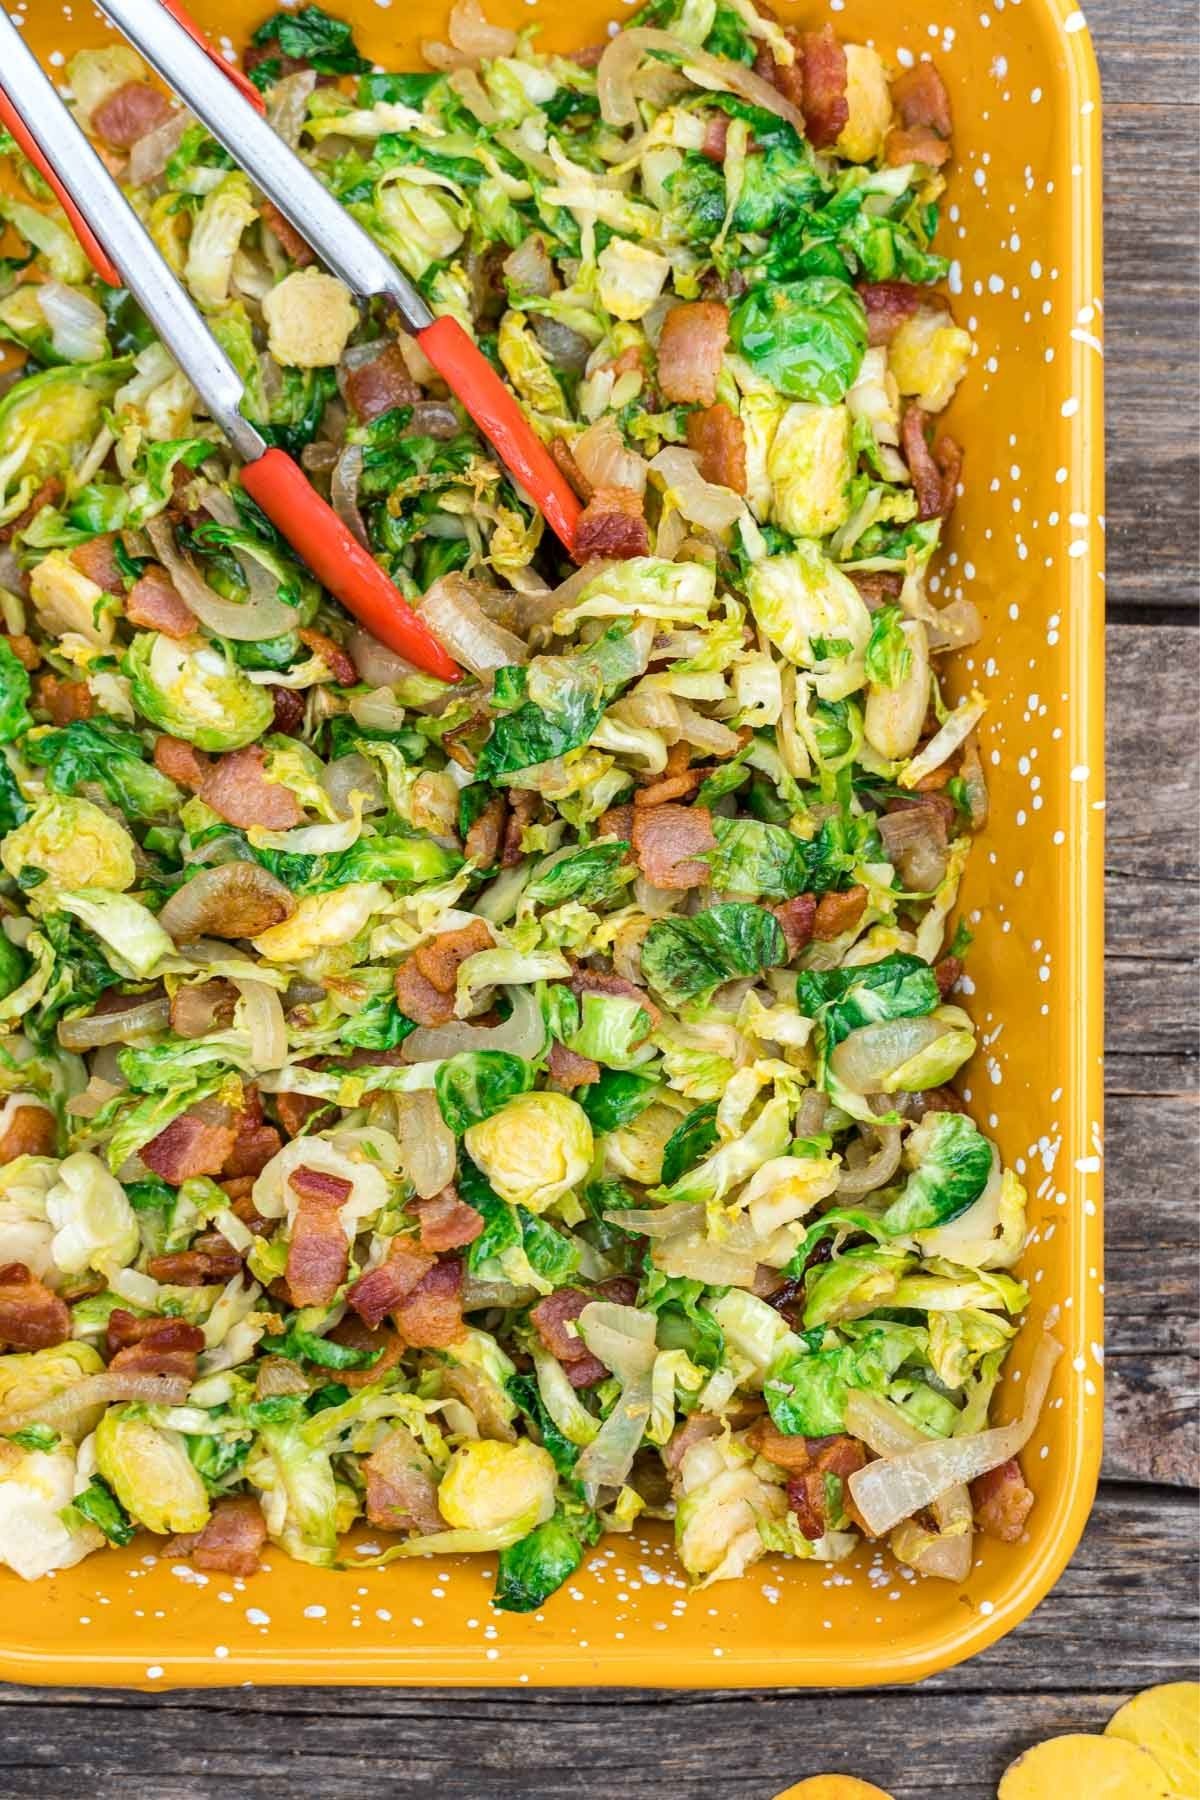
(90, 244)
(241, 82)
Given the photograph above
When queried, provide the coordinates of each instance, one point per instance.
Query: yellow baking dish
(1022, 220)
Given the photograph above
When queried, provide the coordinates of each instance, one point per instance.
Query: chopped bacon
(240, 1189)
(947, 972)
(888, 304)
(839, 912)
(787, 79)
(1002, 1502)
(31, 1317)
(941, 804)
(289, 710)
(236, 786)
(204, 1007)
(877, 586)
(523, 809)
(612, 524)
(179, 761)
(915, 144)
(716, 131)
(938, 1099)
(429, 1317)
(375, 387)
(418, 999)
(256, 1143)
(669, 842)
(446, 1222)
(196, 1143)
(934, 472)
(716, 435)
(292, 242)
(690, 349)
(129, 114)
(23, 648)
(332, 655)
(210, 1259)
(919, 96)
(30, 1131)
(97, 559)
(356, 1335)
(569, 1070)
(616, 822)
(295, 1110)
(826, 107)
(401, 1491)
(232, 1541)
(155, 602)
(601, 981)
(667, 787)
(65, 701)
(167, 1347)
(487, 833)
(125, 1328)
(375, 1294)
(796, 921)
(565, 459)
(808, 1489)
(551, 1319)
(49, 494)
(319, 1253)
(694, 1430)
(780, 1447)
(440, 957)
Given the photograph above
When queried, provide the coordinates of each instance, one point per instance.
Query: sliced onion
(78, 328)
(701, 502)
(427, 1152)
(522, 1034)
(705, 733)
(660, 1221)
(529, 268)
(454, 615)
(123, 1027)
(621, 1336)
(214, 901)
(471, 32)
(697, 1258)
(319, 457)
(262, 616)
(615, 71)
(435, 419)
(896, 1487)
(287, 108)
(343, 491)
(263, 1020)
(566, 348)
(864, 1060)
(378, 711)
(915, 841)
(153, 150)
(98, 1390)
(946, 1552)
(601, 454)
(810, 1116)
(478, 1295)
(352, 774)
(277, 1375)
(536, 611)
(607, 1460)
(974, 782)
(876, 1170)
(954, 627)
(474, 96)
(375, 663)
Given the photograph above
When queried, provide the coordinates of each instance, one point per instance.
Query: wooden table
(1123, 1615)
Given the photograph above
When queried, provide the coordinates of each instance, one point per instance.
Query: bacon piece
(236, 786)
(612, 524)
(796, 921)
(289, 710)
(374, 1294)
(332, 655)
(129, 114)
(292, 242)
(487, 833)
(918, 144)
(888, 304)
(203, 1007)
(716, 131)
(551, 1318)
(919, 96)
(378, 386)
(65, 701)
(716, 435)
(196, 1143)
(256, 1143)
(440, 958)
(319, 1252)
(616, 822)
(690, 349)
(523, 808)
(30, 1131)
(125, 1328)
(23, 648)
(694, 1430)
(155, 602)
(1002, 1502)
(97, 559)
(826, 107)
(780, 1447)
(418, 999)
(401, 1491)
(49, 494)
(808, 1489)
(786, 79)
(934, 472)
(668, 842)
(166, 1347)
(429, 1317)
(209, 1259)
(670, 787)
(567, 465)
(602, 981)
(295, 1110)
(446, 1222)
(231, 1543)
(938, 1099)
(31, 1317)
(839, 912)
(569, 1070)
(941, 804)
(180, 761)
(947, 972)
(877, 586)
(358, 1336)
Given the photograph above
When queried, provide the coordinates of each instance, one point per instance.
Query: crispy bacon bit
(569, 1070)
(779, 1447)
(601, 981)
(255, 1145)
(941, 804)
(236, 786)
(809, 1489)
(612, 524)
(167, 1347)
(669, 842)
(523, 808)
(49, 494)
(787, 79)
(289, 710)
(796, 921)
(617, 822)
(65, 701)
(552, 1319)
(418, 999)
(292, 242)
(376, 387)
(440, 958)
(487, 833)
(376, 1293)
(839, 912)
(670, 787)
(568, 467)
(826, 107)
(295, 1110)
(429, 1317)
(210, 1259)
(31, 1317)
(196, 1143)
(947, 972)
(446, 1222)
(690, 349)
(716, 435)
(30, 1131)
(919, 96)
(915, 144)
(934, 473)
(694, 1430)
(355, 1335)
(23, 648)
(938, 1099)
(1002, 1502)
(232, 1541)
(319, 1253)
(179, 761)
(155, 602)
(401, 1491)
(129, 114)
(888, 304)
(877, 586)
(126, 1328)
(204, 1007)
(716, 131)
(332, 655)
(97, 559)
